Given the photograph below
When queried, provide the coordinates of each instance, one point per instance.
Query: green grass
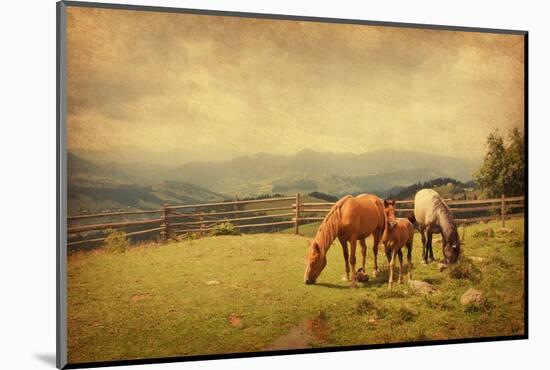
(154, 301)
(307, 230)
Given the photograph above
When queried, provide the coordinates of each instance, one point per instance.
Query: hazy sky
(146, 85)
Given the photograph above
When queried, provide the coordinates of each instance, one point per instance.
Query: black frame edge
(61, 171)
(290, 352)
(526, 182)
(164, 9)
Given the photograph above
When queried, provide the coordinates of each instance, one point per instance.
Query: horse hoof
(375, 273)
(345, 278)
(424, 262)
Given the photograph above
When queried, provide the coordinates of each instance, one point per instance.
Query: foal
(397, 233)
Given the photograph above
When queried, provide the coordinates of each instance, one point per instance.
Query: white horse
(433, 216)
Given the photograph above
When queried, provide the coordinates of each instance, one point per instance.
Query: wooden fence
(171, 222)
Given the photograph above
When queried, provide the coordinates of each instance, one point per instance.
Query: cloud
(210, 87)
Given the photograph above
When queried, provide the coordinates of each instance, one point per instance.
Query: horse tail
(411, 218)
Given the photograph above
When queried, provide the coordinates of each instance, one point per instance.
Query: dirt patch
(318, 328)
(301, 336)
(140, 297)
(235, 320)
(297, 338)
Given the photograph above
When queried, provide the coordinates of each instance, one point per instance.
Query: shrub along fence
(263, 215)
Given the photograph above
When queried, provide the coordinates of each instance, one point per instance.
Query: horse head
(451, 249)
(316, 261)
(389, 210)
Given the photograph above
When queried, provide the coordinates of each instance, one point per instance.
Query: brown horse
(398, 232)
(350, 220)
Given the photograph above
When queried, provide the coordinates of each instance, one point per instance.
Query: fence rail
(176, 220)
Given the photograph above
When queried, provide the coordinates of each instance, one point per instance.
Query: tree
(515, 158)
(502, 170)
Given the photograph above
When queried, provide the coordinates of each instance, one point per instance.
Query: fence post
(297, 214)
(164, 232)
(502, 210)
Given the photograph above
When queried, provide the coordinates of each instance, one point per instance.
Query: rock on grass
(472, 297)
(506, 230)
(421, 286)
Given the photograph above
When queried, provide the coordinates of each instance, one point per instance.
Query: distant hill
(112, 172)
(94, 187)
(104, 197)
(332, 173)
(98, 185)
(446, 187)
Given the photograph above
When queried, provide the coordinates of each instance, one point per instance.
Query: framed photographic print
(234, 184)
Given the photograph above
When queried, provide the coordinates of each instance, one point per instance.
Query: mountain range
(334, 173)
(95, 184)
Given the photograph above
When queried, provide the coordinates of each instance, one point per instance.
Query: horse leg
(387, 251)
(377, 236)
(393, 252)
(344, 244)
(409, 257)
(430, 251)
(353, 247)
(443, 243)
(424, 253)
(363, 253)
(400, 255)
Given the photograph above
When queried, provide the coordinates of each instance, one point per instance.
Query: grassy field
(246, 293)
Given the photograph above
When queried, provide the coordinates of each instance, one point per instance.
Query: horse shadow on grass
(332, 285)
(384, 277)
(381, 279)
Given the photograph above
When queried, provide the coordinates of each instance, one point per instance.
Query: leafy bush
(405, 314)
(366, 306)
(499, 262)
(388, 294)
(436, 302)
(486, 306)
(225, 228)
(116, 241)
(465, 269)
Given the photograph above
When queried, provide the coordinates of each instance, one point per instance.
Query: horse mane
(448, 226)
(328, 231)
